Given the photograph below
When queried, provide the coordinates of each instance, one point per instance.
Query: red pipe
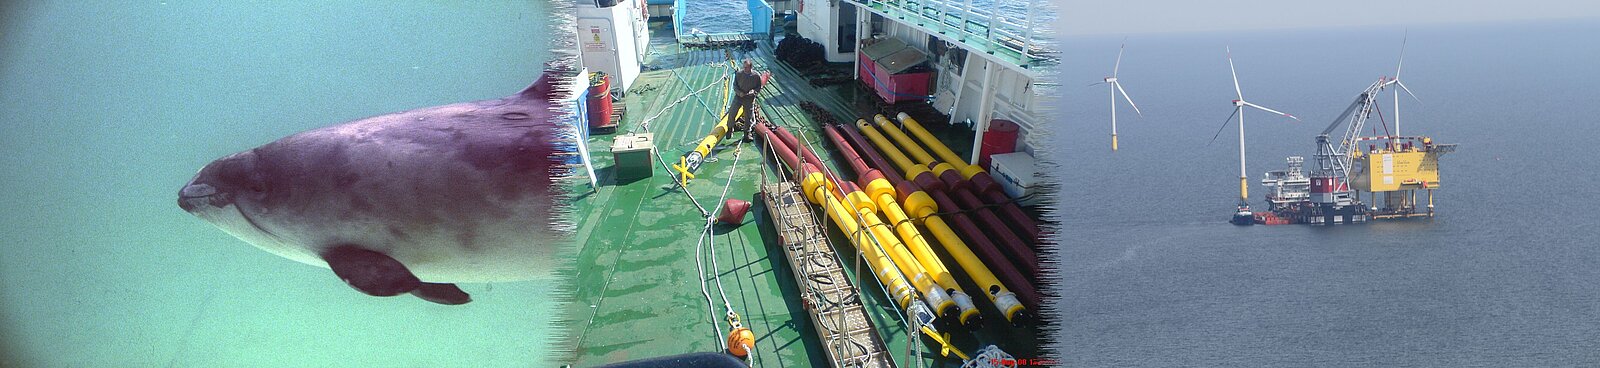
(994, 194)
(789, 139)
(866, 174)
(784, 153)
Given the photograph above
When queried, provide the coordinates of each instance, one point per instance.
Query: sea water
(1505, 275)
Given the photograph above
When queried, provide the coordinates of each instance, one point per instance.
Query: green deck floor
(638, 295)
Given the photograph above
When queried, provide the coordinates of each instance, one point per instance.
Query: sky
(1081, 17)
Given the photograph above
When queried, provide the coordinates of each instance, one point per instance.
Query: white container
(1015, 172)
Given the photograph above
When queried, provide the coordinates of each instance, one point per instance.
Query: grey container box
(631, 154)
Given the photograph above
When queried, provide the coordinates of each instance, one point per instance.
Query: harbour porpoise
(409, 202)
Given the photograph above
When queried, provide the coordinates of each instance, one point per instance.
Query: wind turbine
(1396, 81)
(1116, 87)
(1244, 216)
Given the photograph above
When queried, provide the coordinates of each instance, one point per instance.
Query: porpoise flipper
(370, 271)
(447, 294)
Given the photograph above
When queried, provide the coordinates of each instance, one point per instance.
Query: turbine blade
(1129, 99)
(1247, 103)
(1236, 111)
(1095, 84)
(1235, 74)
(1118, 66)
(1408, 91)
(1402, 54)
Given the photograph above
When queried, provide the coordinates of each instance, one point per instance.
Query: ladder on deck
(834, 304)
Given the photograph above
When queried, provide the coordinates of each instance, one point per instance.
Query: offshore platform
(1390, 167)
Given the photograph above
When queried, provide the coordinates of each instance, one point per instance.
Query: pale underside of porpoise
(408, 202)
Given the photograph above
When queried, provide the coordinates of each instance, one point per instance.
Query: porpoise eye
(514, 116)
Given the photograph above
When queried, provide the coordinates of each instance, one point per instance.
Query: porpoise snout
(194, 195)
(197, 190)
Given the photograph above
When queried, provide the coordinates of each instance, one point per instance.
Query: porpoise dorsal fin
(544, 88)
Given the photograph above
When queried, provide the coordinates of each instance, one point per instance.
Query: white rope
(699, 265)
(991, 357)
(646, 122)
(716, 328)
(713, 243)
(699, 260)
(703, 243)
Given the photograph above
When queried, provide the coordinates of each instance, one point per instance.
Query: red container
(1000, 138)
(599, 102)
(893, 88)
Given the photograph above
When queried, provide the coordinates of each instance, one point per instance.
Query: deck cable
(738, 147)
(708, 240)
(645, 124)
(699, 260)
(716, 270)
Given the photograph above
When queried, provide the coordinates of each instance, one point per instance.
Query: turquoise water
(110, 107)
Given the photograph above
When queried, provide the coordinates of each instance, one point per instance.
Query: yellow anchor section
(883, 194)
(924, 208)
(866, 235)
(690, 162)
(949, 157)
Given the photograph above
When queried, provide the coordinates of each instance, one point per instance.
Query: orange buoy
(740, 341)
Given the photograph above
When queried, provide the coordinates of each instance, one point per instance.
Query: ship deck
(637, 290)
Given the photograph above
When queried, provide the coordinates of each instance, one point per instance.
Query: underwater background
(111, 106)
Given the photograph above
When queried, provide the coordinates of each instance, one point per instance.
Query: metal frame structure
(1335, 162)
(983, 30)
(761, 15)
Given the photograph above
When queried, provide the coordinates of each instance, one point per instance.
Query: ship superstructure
(834, 265)
(1288, 186)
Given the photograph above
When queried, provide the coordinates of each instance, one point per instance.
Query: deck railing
(990, 25)
(678, 9)
(761, 15)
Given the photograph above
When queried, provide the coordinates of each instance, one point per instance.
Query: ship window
(847, 27)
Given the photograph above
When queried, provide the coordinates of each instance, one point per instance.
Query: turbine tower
(1116, 87)
(1396, 81)
(1243, 216)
